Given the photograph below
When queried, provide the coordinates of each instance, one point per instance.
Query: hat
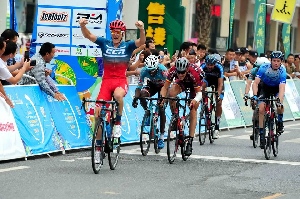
(238, 51)
(244, 50)
(253, 53)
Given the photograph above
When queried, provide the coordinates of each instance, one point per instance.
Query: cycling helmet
(181, 64)
(117, 24)
(261, 60)
(277, 54)
(211, 59)
(151, 62)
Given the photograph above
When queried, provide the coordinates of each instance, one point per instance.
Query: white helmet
(151, 62)
(181, 64)
(260, 61)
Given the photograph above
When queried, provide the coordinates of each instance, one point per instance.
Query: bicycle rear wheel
(97, 165)
(172, 140)
(255, 133)
(114, 144)
(211, 129)
(146, 135)
(202, 123)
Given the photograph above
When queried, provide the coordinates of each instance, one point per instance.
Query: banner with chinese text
(283, 11)
(231, 18)
(164, 22)
(286, 37)
(260, 25)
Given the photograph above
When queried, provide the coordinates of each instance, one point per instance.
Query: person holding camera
(39, 60)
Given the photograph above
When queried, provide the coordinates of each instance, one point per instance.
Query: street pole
(266, 4)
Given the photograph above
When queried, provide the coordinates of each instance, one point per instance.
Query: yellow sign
(155, 19)
(156, 9)
(283, 11)
(159, 36)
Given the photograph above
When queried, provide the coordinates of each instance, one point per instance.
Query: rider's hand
(161, 102)
(139, 25)
(83, 22)
(134, 102)
(246, 96)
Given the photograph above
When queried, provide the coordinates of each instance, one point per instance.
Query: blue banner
(70, 119)
(33, 120)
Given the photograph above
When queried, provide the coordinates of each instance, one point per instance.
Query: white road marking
(241, 137)
(14, 168)
(225, 136)
(297, 140)
(84, 158)
(72, 160)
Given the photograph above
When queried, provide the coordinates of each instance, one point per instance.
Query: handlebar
(103, 102)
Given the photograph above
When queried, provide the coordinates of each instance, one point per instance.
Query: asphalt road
(229, 168)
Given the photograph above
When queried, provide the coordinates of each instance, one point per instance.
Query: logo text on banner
(283, 11)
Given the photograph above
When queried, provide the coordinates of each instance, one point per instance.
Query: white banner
(11, 146)
(292, 96)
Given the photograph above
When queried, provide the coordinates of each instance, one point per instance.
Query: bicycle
(150, 131)
(110, 145)
(271, 124)
(208, 106)
(176, 135)
(255, 127)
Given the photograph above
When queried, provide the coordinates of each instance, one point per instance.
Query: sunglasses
(181, 72)
(116, 32)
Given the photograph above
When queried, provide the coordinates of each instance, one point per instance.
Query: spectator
(192, 56)
(184, 49)
(290, 66)
(194, 46)
(201, 53)
(45, 55)
(9, 53)
(227, 62)
(149, 44)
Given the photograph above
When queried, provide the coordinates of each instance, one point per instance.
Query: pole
(266, 4)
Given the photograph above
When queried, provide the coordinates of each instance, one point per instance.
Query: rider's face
(116, 35)
(181, 75)
(210, 66)
(276, 62)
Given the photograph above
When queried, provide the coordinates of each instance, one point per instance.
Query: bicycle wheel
(185, 140)
(255, 133)
(211, 129)
(114, 151)
(97, 166)
(202, 123)
(156, 138)
(172, 140)
(275, 141)
(267, 146)
(145, 135)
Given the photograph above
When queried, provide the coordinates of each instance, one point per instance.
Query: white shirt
(4, 72)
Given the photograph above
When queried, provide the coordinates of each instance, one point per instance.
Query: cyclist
(214, 75)
(116, 55)
(256, 62)
(273, 79)
(156, 74)
(185, 77)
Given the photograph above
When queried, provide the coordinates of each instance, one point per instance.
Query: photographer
(45, 55)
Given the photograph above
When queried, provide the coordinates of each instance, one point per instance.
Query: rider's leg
(280, 111)
(173, 92)
(261, 118)
(119, 94)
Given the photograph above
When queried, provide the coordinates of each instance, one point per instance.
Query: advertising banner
(293, 98)
(230, 108)
(70, 120)
(33, 120)
(11, 146)
(260, 11)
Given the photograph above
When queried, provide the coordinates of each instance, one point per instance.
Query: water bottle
(108, 130)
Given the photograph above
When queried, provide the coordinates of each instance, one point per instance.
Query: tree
(204, 20)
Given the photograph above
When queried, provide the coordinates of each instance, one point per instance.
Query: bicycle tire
(275, 141)
(172, 139)
(267, 146)
(255, 133)
(145, 137)
(155, 140)
(185, 140)
(210, 131)
(97, 166)
(202, 136)
(113, 154)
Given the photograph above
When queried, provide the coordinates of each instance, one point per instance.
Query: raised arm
(142, 39)
(86, 33)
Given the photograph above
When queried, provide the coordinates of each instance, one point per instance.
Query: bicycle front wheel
(255, 133)
(113, 154)
(172, 140)
(146, 135)
(267, 147)
(202, 127)
(96, 164)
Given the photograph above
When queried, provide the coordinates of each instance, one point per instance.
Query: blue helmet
(277, 54)
(211, 59)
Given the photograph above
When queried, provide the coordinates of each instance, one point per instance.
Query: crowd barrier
(39, 124)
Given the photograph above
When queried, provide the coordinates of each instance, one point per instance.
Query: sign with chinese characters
(260, 25)
(286, 37)
(232, 9)
(283, 11)
(164, 22)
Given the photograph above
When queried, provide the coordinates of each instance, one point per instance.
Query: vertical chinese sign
(286, 37)
(232, 8)
(260, 25)
(164, 22)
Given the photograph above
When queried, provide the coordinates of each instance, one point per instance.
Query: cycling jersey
(272, 77)
(191, 80)
(115, 60)
(212, 76)
(115, 63)
(259, 61)
(159, 78)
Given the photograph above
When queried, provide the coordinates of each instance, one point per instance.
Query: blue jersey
(159, 79)
(115, 60)
(271, 77)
